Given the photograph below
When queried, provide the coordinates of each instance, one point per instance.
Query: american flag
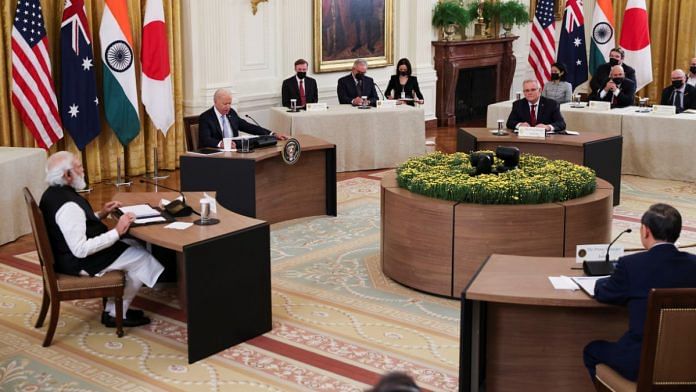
(542, 46)
(32, 88)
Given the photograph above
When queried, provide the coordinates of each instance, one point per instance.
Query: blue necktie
(226, 132)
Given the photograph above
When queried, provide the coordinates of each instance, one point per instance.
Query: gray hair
(56, 166)
(221, 92)
(359, 61)
(531, 81)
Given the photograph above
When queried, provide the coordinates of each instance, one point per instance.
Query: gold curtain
(99, 155)
(672, 39)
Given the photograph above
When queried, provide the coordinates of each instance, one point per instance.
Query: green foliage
(537, 180)
(513, 13)
(450, 12)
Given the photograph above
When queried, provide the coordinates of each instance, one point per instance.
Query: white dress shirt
(221, 117)
(72, 222)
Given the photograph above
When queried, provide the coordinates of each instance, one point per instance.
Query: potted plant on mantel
(449, 14)
(511, 13)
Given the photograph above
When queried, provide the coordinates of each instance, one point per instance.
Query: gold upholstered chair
(59, 287)
(668, 357)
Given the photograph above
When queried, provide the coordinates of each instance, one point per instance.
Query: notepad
(179, 225)
(587, 283)
(562, 283)
(140, 211)
(143, 221)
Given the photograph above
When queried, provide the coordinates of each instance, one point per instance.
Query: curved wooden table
(520, 334)
(436, 245)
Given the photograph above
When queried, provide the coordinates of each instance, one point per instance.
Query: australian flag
(571, 46)
(79, 104)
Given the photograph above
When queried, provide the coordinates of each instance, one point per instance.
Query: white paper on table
(212, 202)
(179, 225)
(140, 210)
(164, 202)
(563, 283)
(587, 283)
(149, 220)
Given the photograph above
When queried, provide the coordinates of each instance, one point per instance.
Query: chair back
(43, 244)
(191, 128)
(668, 359)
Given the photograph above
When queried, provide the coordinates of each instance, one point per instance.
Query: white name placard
(317, 107)
(665, 110)
(597, 252)
(600, 105)
(388, 103)
(532, 133)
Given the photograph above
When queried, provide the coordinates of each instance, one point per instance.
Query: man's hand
(280, 136)
(124, 223)
(108, 208)
(610, 86)
(522, 124)
(357, 101)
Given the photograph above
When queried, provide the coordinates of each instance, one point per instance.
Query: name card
(388, 103)
(317, 107)
(597, 252)
(665, 110)
(532, 133)
(600, 105)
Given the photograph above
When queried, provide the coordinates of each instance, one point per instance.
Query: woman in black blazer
(403, 84)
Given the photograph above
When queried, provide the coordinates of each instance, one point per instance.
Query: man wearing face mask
(352, 87)
(681, 95)
(692, 73)
(618, 90)
(300, 87)
(601, 75)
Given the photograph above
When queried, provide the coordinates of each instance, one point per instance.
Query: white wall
(225, 45)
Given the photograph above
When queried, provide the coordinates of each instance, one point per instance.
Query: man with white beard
(83, 245)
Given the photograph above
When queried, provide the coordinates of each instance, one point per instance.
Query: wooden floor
(445, 141)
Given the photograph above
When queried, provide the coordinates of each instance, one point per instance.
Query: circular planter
(437, 245)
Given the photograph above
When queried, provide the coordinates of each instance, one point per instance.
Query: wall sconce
(255, 5)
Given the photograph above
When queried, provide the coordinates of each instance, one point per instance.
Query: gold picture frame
(558, 7)
(345, 30)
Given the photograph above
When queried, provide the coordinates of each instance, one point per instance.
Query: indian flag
(603, 36)
(120, 89)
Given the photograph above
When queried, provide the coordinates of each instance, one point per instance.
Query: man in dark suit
(618, 90)
(601, 75)
(535, 111)
(222, 121)
(661, 266)
(300, 87)
(679, 94)
(352, 87)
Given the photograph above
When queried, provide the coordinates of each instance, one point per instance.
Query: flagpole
(122, 181)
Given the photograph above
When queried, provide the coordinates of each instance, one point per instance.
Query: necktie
(303, 99)
(532, 115)
(677, 100)
(359, 86)
(226, 132)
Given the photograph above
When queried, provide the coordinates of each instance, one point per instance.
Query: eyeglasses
(530, 90)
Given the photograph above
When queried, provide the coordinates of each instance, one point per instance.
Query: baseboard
(430, 124)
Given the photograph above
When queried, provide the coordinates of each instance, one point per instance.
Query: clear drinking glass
(576, 99)
(500, 126)
(245, 144)
(518, 95)
(205, 210)
(364, 101)
(293, 105)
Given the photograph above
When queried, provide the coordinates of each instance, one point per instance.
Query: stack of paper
(140, 211)
(563, 283)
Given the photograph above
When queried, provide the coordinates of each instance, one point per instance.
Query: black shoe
(130, 314)
(110, 322)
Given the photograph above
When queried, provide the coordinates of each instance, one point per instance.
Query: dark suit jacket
(689, 99)
(663, 266)
(601, 76)
(410, 87)
(291, 90)
(210, 133)
(347, 90)
(625, 98)
(549, 112)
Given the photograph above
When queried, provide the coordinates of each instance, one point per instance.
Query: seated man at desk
(661, 266)
(83, 245)
(618, 90)
(300, 87)
(222, 121)
(352, 87)
(679, 94)
(535, 111)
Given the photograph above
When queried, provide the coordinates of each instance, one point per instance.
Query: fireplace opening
(476, 89)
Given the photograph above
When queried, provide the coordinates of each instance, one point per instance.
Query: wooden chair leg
(119, 316)
(52, 323)
(45, 303)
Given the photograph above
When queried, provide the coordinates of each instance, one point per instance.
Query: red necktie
(532, 115)
(303, 99)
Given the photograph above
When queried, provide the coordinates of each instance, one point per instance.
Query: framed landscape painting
(345, 30)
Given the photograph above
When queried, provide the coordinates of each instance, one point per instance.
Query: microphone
(252, 119)
(380, 91)
(606, 257)
(176, 207)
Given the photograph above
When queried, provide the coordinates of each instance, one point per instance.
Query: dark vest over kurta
(65, 262)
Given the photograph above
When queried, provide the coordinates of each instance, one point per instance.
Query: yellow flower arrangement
(537, 180)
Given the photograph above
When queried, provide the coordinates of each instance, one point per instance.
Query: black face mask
(301, 75)
(677, 83)
(693, 69)
(613, 62)
(359, 75)
(617, 80)
(403, 73)
(555, 76)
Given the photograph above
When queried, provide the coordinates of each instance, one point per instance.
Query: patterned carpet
(338, 322)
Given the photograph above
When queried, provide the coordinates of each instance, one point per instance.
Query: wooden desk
(224, 274)
(260, 185)
(598, 151)
(520, 334)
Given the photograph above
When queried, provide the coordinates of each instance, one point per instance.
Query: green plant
(450, 12)
(490, 10)
(512, 13)
(537, 180)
